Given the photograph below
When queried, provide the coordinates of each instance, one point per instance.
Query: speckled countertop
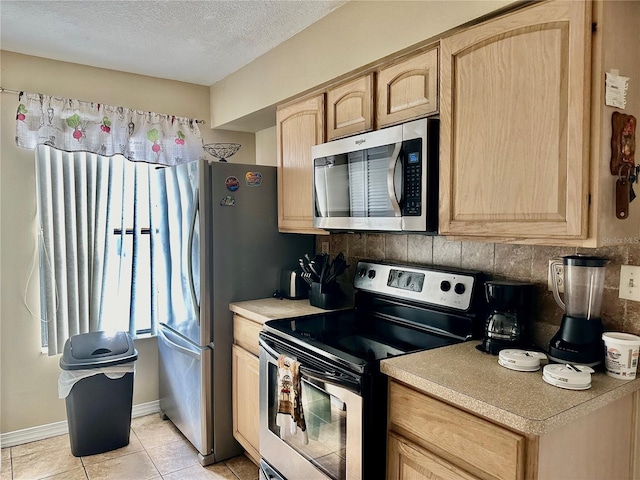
(265, 309)
(465, 377)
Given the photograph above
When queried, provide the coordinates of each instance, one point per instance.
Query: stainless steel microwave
(384, 181)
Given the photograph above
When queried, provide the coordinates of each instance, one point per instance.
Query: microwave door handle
(394, 163)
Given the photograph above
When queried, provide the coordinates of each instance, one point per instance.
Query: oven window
(326, 421)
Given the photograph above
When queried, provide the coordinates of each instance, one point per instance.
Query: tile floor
(156, 450)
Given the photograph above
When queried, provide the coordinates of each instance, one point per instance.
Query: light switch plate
(630, 282)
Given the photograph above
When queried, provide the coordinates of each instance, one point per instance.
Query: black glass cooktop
(353, 338)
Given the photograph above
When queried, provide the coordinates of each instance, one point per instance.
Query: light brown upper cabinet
(408, 89)
(299, 126)
(525, 132)
(514, 125)
(350, 108)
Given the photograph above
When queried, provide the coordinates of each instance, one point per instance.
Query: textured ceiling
(198, 42)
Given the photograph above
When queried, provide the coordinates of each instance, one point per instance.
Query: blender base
(578, 341)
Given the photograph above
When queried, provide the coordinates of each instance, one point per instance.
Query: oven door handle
(272, 353)
(335, 378)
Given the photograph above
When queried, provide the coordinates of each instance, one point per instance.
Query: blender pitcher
(583, 285)
(579, 339)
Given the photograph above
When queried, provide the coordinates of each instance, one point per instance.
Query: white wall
(354, 35)
(28, 379)
(266, 147)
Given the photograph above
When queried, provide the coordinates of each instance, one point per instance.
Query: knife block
(325, 296)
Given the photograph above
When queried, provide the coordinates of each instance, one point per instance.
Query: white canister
(621, 354)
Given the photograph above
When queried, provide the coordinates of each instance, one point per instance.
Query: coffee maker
(507, 323)
(579, 339)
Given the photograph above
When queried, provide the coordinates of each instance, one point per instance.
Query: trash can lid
(97, 349)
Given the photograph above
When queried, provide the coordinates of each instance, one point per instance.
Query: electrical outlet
(629, 282)
(560, 275)
(325, 247)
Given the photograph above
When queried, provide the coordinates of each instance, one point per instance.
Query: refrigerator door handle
(175, 346)
(192, 229)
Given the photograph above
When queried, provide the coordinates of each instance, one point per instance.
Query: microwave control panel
(412, 202)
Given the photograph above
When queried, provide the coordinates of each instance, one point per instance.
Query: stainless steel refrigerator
(225, 247)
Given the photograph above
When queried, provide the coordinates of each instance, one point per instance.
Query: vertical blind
(73, 198)
(103, 223)
(115, 240)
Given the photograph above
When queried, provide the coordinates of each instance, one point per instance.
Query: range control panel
(431, 285)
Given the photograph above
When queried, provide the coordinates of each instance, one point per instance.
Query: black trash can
(100, 366)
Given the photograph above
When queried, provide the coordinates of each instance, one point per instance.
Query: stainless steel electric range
(399, 309)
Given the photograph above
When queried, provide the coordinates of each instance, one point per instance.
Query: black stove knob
(372, 274)
(459, 288)
(445, 285)
(362, 272)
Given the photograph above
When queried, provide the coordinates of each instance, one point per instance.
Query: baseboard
(41, 432)
(145, 409)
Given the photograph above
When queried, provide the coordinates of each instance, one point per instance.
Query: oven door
(333, 413)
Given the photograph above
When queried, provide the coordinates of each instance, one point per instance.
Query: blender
(579, 339)
(507, 323)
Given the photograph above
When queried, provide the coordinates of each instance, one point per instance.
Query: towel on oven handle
(290, 414)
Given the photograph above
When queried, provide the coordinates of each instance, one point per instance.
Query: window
(128, 271)
(105, 242)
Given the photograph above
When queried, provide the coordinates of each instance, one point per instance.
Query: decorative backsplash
(501, 261)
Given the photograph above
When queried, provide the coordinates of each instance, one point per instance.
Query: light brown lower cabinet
(246, 384)
(408, 461)
(430, 439)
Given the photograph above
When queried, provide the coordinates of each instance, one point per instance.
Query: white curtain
(76, 125)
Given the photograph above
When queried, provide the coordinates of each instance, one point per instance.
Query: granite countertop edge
(500, 415)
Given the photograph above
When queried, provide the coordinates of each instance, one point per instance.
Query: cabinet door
(246, 401)
(299, 126)
(478, 446)
(408, 461)
(515, 125)
(350, 108)
(408, 90)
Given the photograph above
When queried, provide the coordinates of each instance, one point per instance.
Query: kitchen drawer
(245, 334)
(477, 445)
